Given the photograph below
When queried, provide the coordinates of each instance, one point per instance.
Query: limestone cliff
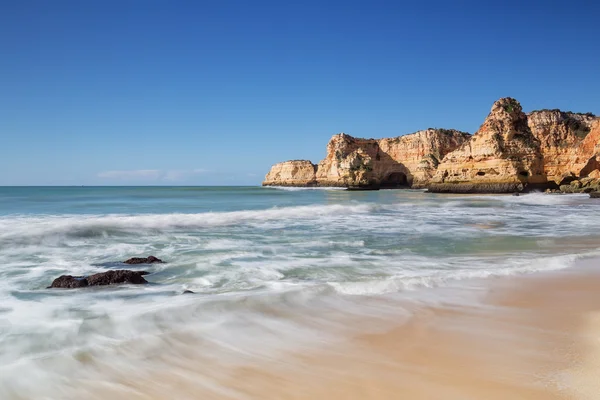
(585, 170)
(589, 151)
(408, 160)
(562, 135)
(292, 173)
(510, 152)
(502, 156)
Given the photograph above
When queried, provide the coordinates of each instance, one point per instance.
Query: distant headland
(550, 150)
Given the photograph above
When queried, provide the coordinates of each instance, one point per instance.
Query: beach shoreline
(531, 336)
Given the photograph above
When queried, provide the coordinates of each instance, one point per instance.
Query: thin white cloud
(171, 175)
(145, 174)
(175, 175)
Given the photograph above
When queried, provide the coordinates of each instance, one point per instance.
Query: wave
(535, 198)
(515, 266)
(113, 224)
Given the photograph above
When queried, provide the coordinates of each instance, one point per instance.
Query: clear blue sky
(213, 92)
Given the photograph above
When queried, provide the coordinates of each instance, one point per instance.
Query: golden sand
(532, 337)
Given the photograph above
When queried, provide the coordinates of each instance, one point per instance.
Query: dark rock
(516, 194)
(100, 279)
(119, 276)
(69, 282)
(142, 260)
(595, 195)
(187, 292)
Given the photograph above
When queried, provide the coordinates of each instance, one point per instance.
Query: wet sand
(529, 337)
(534, 337)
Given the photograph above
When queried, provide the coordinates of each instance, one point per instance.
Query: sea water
(272, 269)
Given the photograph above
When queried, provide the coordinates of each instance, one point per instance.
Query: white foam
(259, 275)
(477, 269)
(102, 225)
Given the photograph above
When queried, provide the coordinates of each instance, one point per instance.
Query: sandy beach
(528, 337)
(533, 337)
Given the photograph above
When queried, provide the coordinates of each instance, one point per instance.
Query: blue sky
(214, 92)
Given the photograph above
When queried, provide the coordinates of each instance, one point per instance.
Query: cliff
(585, 170)
(502, 156)
(404, 161)
(510, 152)
(292, 173)
(562, 136)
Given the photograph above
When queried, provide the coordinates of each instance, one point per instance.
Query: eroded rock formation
(502, 156)
(510, 152)
(292, 173)
(409, 160)
(404, 161)
(562, 135)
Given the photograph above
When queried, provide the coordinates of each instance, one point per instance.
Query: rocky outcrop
(292, 173)
(69, 282)
(100, 279)
(564, 148)
(589, 151)
(511, 152)
(404, 161)
(588, 184)
(409, 160)
(143, 260)
(502, 156)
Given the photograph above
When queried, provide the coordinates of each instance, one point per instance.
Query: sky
(149, 92)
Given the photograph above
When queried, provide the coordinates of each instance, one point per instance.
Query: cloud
(145, 174)
(171, 175)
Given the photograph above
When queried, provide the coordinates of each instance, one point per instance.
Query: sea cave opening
(395, 180)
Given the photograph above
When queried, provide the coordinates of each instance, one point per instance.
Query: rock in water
(69, 282)
(595, 195)
(142, 260)
(100, 279)
(119, 276)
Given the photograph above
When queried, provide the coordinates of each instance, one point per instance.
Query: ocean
(273, 270)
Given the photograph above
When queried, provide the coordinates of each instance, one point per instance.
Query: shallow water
(272, 270)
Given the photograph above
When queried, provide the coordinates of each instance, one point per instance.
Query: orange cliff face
(403, 161)
(510, 152)
(408, 160)
(502, 156)
(291, 173)
(567, 142)
(589, 151)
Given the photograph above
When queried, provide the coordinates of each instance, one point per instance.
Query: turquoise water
(256, 258)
